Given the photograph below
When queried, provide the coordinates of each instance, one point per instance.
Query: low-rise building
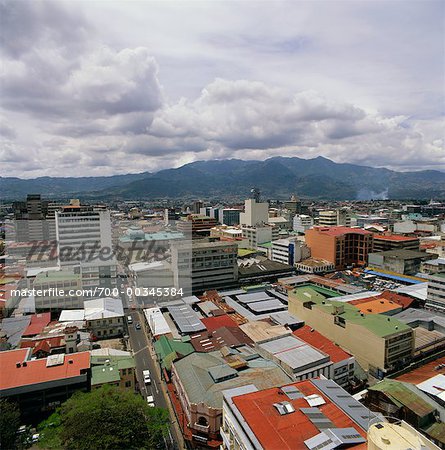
(378, 342)
(41, 385)
(297, 358)
(199, 380)
(384, 242)
(343, 364)
(311, 414)
(405, 262)
(113, 367)
(314, 265)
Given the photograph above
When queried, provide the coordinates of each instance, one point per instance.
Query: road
(145, 360)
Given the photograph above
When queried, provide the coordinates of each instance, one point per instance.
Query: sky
(94, 88)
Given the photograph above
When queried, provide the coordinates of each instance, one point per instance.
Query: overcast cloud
(100, 88)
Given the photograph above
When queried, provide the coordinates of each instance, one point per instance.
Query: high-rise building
(336, 217)
(34, 219)
(229, 216)
(289, 251)
(255, 213)
(343, 246)
(202, 265)
(84, 239)
(82, 233)
(196, 225)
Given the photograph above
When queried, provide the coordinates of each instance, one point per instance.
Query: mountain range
(277, 177)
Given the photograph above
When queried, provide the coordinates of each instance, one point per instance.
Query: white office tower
(255, 213)
(84, 240)
(302, 222)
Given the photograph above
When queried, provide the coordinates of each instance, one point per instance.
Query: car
(147, 377)
(150, 401)
(129, 320)
(137, 325)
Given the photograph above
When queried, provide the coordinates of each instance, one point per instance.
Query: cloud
(117, 87)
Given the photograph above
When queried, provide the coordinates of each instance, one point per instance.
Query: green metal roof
(169, 349)
(196, 369)
(105, 374)
(246, 251)
(378, 324)
(403, 396)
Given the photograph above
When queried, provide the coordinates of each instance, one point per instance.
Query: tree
(9, 424)
(106, 418)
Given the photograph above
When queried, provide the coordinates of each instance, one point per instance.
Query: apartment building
(203, 265)
(379, 343)
(343, 246)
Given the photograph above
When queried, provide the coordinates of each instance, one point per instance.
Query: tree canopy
(9, 424)
(106, 418)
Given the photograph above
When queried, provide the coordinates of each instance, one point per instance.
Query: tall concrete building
(202, 265)
(343, 246)
(293, 205)
(34, 219)
(84, 240)
(255, 212)
(336, 217)
(436, 292)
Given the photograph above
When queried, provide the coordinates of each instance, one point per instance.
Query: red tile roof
(288, 432)
(44, 344)
(213, 323)
(424, 372)
(402, 300)
(322, 343)
(36, 371)
(37, 324)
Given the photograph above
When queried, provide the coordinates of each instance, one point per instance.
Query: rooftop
(317, 340)
(213, 323)
(424, 372)
(38, 371)
(395, 237)
(377, 324)
(401, 395)
(375, 305)
(37, 324)
(198, 372)
(340, 231)
(290, 431)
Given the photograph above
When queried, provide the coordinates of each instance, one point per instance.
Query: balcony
(201, 428)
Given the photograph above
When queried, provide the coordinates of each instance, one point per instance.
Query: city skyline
(109, 88)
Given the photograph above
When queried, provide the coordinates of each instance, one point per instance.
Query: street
(144, 360)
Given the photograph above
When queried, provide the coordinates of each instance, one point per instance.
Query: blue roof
(393, 277)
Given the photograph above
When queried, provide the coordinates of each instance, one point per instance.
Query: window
(128, 384)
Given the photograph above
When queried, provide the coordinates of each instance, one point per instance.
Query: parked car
(137, 326)
(150, 401)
